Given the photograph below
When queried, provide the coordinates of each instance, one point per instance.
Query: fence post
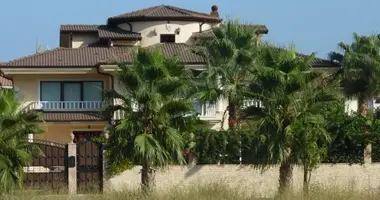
(105, 162)
(368, 154)
(72, 166)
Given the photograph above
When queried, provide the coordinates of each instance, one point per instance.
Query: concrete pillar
(105, 169)
(368, 154)
(72, 166)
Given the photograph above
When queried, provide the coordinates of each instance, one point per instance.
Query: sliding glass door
(71, 94)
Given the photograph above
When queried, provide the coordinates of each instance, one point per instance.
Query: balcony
(205, 111)
(65, 105)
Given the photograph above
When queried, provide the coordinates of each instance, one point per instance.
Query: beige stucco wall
(162, 27)
(83, 40)
(61, 131)
(27, 86)
(253, 181)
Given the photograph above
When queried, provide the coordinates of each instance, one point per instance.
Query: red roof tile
(68, 57)
(79, 28)
(5, 82)
(164, 12)
(106, 32)
(72, 116)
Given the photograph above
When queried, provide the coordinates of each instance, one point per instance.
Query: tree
(230, 60)
(157, 111)
(288, 124)
(15, 150)
(361, 69)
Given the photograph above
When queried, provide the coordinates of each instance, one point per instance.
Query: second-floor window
(70, 92)
(167, 38)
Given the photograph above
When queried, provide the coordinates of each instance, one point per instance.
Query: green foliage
(347, 133)
(223, 147)
(231, 57)
(15, 150)
(157, 112)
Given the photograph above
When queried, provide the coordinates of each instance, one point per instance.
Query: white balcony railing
(250, 102)
(204, 111)
(65, 105)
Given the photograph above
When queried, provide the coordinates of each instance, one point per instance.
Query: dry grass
(200, 192)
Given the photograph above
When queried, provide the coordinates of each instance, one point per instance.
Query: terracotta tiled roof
(78, 28)
(68, 57)
(164, 12)
(182, 51)
(203, 35)
(5, 82)
(320, 62)
(72, 116)
(92, 56)
(106, 32)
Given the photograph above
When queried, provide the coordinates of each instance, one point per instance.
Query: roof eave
(118, 20)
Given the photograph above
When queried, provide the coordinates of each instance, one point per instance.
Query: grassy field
(210, 192)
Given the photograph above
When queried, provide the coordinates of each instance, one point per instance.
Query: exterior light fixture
(178, 30)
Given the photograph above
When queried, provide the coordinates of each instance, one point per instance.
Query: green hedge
(213, 147)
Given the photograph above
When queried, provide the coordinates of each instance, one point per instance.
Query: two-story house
(66, 83)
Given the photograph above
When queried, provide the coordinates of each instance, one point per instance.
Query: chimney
(214, 11)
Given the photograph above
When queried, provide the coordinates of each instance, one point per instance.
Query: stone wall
(246, 178)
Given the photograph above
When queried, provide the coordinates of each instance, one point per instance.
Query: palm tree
(230, 60)
(157, 110)
(290, 94)
(361, 69)
(15, 151)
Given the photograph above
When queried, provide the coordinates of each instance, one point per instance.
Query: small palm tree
(290, 95)
(15, 151)
(230, 60)
(361, 69)
(157, 111)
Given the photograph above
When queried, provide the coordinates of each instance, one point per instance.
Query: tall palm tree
(230, 60)
(15, 151)
(361, 69)
(157, 110)
(290, 94)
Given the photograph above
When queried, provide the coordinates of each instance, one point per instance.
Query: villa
(66, 83)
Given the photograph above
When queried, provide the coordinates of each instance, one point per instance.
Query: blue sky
(312, 25)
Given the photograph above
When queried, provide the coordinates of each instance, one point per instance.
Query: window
(167, 38)
(71, 94)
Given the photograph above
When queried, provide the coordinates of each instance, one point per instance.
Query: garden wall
(245, 178)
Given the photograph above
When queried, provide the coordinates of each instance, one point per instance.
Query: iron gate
(89, 167)
(48, 168)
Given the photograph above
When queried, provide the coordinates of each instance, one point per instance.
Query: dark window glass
(167, 38)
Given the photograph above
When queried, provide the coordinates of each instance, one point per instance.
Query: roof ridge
(192, 11)
(35, 55)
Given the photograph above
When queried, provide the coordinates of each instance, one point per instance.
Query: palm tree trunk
(286, 175)
(147, 177)
(306, 181)
(362, 103)
(232, 115)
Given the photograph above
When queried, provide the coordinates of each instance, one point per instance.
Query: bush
(347, 133)
(213, 147)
